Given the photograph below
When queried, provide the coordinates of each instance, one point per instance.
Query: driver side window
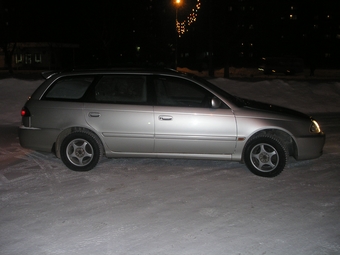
(180, 92)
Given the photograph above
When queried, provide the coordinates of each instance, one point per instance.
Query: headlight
(314, 127)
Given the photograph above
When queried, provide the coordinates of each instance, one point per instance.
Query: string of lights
(191, 18)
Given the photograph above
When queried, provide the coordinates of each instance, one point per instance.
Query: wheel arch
(281, 135)
(70, 130)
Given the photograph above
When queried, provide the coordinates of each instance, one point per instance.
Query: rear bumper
(310, 147)
(37, 139)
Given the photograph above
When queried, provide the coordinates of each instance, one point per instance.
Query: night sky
(112, 31)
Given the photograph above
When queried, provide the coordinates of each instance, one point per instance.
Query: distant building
(300, 28)
(41, 55)
(242, 32)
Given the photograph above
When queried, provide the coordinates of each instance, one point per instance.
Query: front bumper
(310, 147)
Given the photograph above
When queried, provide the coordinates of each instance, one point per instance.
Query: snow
(168, 206)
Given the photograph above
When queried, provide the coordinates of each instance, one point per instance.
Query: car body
(83, 115)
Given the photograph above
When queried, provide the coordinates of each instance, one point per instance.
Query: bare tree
(7, 31)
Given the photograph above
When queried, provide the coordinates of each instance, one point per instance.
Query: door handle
(165, 117)
(94, 114)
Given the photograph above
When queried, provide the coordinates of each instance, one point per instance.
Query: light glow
(181, 27)
(315, 128)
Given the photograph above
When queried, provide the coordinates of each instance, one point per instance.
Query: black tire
(80, 151)
(265, 156)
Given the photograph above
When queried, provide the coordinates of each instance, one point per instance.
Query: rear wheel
(80, 151)
(265, 156)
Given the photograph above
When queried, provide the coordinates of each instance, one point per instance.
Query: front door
(185, 122)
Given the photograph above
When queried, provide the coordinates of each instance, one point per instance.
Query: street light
(177, 4)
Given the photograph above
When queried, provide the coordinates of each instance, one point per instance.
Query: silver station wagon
(84, 115)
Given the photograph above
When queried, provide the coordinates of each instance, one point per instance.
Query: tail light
(25, 112)
(26, 117)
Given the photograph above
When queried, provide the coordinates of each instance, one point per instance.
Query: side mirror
(215, 103)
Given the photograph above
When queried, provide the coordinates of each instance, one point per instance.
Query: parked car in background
(84, 115)
(286, 65)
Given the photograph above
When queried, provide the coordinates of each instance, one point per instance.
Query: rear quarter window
(69, 88)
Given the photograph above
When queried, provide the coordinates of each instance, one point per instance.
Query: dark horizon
(235, 32)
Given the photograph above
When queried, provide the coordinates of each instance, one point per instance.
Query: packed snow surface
(168, 206)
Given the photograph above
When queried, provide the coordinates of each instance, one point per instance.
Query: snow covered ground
(167, 206)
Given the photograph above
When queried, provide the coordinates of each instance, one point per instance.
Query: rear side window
(121, 89)
(69, 88)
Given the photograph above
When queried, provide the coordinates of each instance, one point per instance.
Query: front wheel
(265, 156)
(80, 151)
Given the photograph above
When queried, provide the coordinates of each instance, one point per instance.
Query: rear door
(121, 113)
(185, 122)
